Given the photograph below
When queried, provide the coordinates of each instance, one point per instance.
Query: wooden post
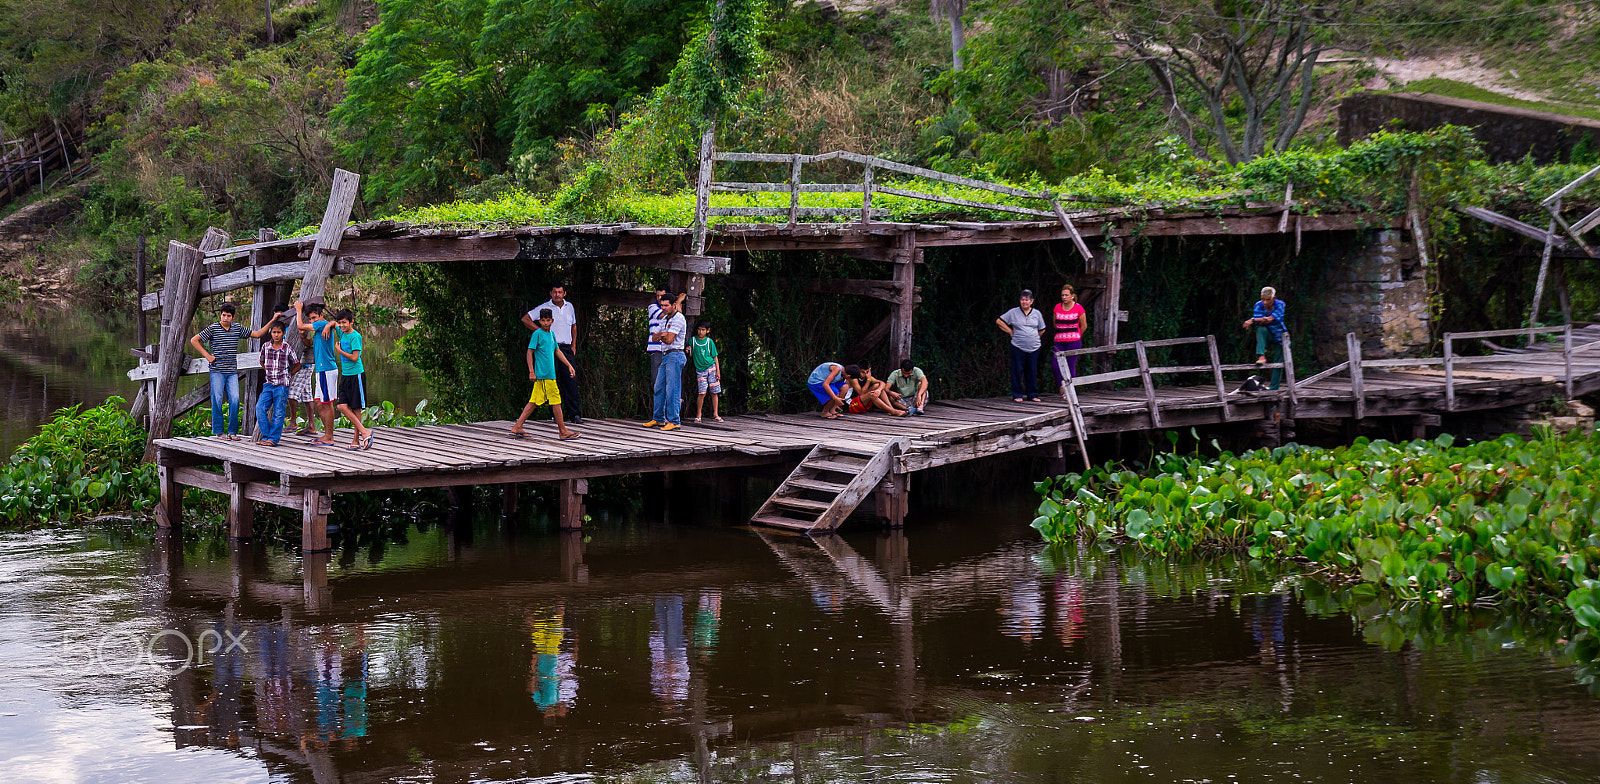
(241, 513)
(138, 300)
(314, 522)
(341, 198)
(1538, 283)
(314, 580)
(572, 492)
(794, 189)
(866, 195)
(1108, 307)
(1566, 358)
(905, 277)
(893, 499)
(181, 290)
(702, 188)
(1216, 374)
(169, 508)
(1149, 384)
(1449, 373)
(508, 499)
(1358, 386)
(260, 306)
(1079, 429)
(1285, 344)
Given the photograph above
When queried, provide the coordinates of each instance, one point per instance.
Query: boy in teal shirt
(542, 356)
(352, 376)
(707, 369)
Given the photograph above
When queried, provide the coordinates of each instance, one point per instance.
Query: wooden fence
(25, 165)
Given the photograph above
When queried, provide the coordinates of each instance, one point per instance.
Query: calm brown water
(645, 650)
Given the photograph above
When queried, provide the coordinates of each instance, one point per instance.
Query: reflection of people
(1069, 610)
(553, 684)
(669, 651)
(1022, 610)
(707, 623)
(1267, 319)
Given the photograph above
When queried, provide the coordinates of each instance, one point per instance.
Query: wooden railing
(1356, 365)
(1146, 373)
(24, 165)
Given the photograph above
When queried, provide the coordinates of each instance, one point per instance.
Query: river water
(667, 644)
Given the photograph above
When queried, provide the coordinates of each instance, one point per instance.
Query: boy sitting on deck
(542, 356)
(707, 369)
(868, 393)
(352, 376)
(827, 385)
(910, 384)
(279, 361)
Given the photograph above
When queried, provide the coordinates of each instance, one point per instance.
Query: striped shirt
(275, 363)
(224, 345)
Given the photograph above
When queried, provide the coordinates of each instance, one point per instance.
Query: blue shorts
(820, 389)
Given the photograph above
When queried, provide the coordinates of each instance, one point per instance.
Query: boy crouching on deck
(542, 356)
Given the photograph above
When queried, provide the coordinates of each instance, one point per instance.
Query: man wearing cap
(565, 330)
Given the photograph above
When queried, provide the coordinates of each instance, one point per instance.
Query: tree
(953, 10)
(1261, 53)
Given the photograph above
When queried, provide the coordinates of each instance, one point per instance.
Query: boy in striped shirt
(219, 344)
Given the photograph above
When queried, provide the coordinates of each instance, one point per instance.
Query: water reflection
(682, 652)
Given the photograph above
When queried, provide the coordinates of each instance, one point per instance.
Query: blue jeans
(669, 387)
(224, 387)
(1024, 373)
(271, 408)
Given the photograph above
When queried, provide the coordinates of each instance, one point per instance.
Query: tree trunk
(958, 34)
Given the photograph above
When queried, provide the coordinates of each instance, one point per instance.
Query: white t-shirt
(566, 317)
(657, 321)
(677, 325)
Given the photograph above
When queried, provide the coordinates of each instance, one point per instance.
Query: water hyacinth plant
(1502, 521)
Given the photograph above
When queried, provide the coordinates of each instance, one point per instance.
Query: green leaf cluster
(81, 463)
(1508, 520)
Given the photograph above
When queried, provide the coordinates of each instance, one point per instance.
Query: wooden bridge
(840, 463)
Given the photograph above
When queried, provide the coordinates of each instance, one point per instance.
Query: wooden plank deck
(302, 476)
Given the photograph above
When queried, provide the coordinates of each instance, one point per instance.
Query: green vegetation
(1505, 521)
(1455, 89)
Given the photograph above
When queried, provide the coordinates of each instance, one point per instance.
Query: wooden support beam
(572, 492)
(183, 279)
(1216, 375)
(677, 262)
(1358, 386)
(892, 499)
(314, 521)
(637, 300)
(1108, 306)
(509, 494)
(169, 507)
(1287, 345)
(904, 304)
(1449, 373)
(289, 271)
(341, 198)
(1149, 384)
(241, 514)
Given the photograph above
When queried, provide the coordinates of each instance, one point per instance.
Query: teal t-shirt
(704, 351)
(543, 345)
(322, 348)
(350, 343)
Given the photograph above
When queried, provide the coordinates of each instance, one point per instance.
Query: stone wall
(1380, 294)
(1506, 132)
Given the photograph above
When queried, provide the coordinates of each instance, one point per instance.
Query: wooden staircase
(827, 486)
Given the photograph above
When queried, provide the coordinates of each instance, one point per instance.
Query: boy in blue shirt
(542, 356)
(325, 382)
(352, 376)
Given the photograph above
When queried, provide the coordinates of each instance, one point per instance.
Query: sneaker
(651, 423)
(668, 426)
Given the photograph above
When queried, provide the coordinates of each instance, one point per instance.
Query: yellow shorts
(545, 391)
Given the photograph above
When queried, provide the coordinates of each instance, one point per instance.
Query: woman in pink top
(1070, 321)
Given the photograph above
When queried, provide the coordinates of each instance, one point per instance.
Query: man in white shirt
(565, 330)
(668, 403)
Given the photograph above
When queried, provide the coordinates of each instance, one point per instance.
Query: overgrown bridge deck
(304, 477)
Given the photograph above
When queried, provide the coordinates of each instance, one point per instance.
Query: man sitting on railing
(1268, 322)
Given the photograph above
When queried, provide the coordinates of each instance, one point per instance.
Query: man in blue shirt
(1267, 319)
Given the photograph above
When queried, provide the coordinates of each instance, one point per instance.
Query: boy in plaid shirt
(279, 361)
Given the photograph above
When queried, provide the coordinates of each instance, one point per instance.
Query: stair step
(782, 522)
(852, 451)
(815, 484)
(829, 465)
(801, 503)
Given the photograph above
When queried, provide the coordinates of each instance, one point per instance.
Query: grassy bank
(1503, 521)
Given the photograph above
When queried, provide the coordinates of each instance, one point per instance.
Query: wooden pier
(839, 463)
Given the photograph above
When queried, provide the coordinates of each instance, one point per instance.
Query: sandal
(697, 420)
(719, 419)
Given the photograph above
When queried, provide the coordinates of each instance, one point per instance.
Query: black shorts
(353, 391)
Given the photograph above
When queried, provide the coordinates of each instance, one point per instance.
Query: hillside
(236, 122)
